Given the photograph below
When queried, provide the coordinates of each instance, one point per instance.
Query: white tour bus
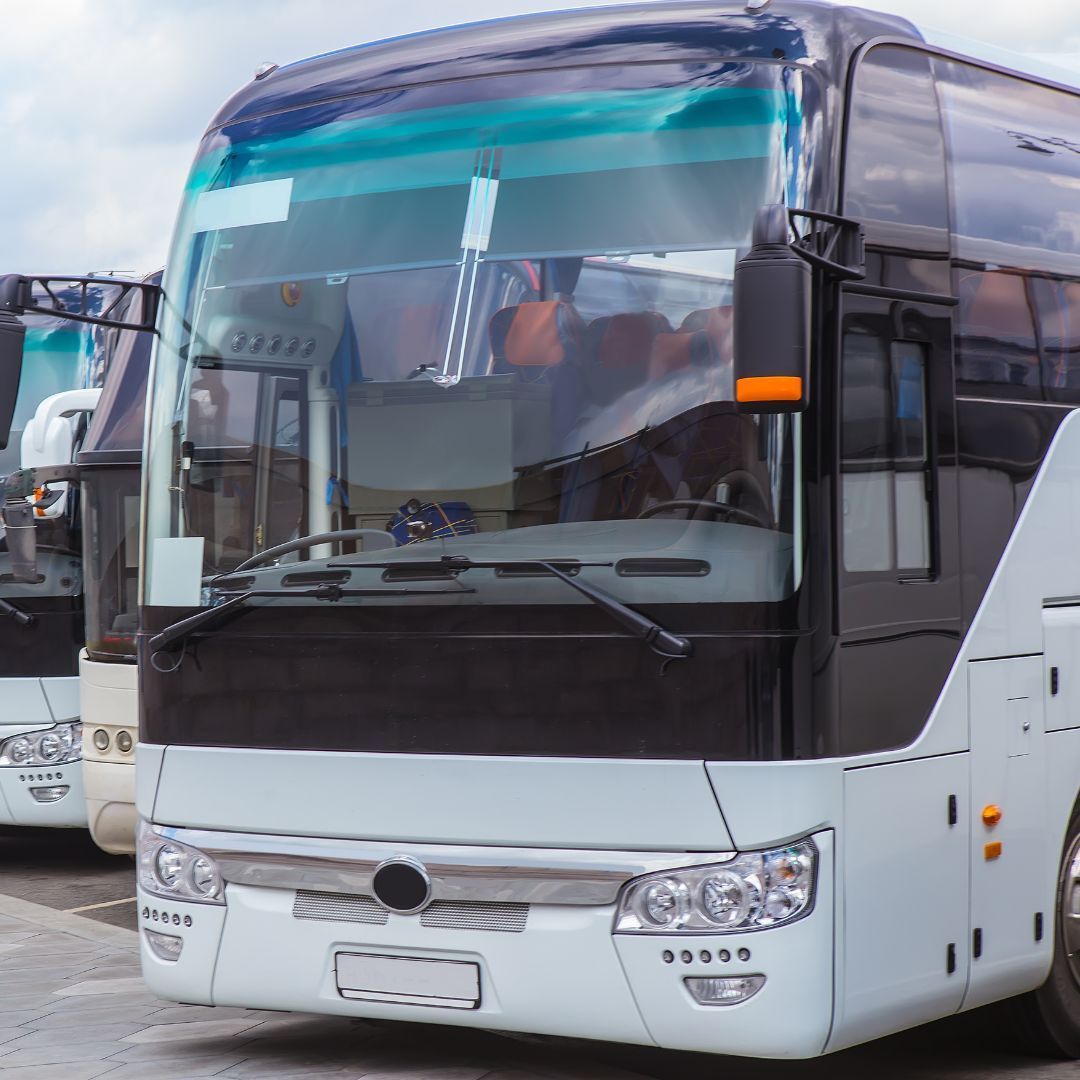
(608, 561)
(41, 609)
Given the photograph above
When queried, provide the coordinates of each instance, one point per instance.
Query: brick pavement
(73, 1007)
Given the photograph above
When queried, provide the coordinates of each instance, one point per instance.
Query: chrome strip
(514, 875)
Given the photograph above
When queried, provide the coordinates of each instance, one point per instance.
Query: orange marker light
(991, 815)
(992, 850)
(769, 388)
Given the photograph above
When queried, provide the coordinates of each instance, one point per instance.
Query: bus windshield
(491, 318)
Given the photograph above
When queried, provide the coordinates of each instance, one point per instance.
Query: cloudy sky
(103, 101)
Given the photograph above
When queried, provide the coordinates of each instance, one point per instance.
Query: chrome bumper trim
(500, 874)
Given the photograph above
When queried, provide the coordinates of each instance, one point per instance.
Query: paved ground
(62, 868)
(72, 1007)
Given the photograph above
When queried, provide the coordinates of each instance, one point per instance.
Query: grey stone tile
(408, 1071)
(83, 1070)
(194, 1030)
(106, 1013)
(57, 1036)
(78, 1002)
(25, 961)
(227, 1051)
(170, 1069)
(41, 974)
(72, 1050)
(182, 1014)
(22, 1002)
(102, 985)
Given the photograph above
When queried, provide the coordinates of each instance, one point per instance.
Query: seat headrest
(683, 349)
(625, 341)
(540, 333)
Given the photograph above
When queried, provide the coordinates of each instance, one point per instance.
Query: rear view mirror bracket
(832, 243)
(17, 297)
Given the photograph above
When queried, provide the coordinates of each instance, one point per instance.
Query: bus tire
(1048, 1019)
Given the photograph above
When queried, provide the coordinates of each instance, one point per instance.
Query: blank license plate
(409, 980)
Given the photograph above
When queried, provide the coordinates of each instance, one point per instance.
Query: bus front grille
(439, 914)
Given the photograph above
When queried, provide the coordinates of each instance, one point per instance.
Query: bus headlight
(59, 745)
(753, 891)
(175, 871)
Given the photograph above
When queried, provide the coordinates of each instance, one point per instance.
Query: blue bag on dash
(416, 521)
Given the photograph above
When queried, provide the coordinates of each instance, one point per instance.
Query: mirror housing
(772, 299)
(12, 337)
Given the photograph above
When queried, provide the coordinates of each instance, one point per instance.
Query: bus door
(898, 628)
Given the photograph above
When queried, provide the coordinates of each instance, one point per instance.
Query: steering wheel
(732, 513)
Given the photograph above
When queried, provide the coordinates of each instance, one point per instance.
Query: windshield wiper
(20, 616)
(662, 642)
(180, 631)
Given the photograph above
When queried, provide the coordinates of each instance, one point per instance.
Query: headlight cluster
(175, 871)
(751, 892)
(58, 745)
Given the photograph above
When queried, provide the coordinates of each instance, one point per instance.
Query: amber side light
(769, 388)
(991, 815)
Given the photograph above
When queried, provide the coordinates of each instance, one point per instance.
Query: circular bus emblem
(402, 885)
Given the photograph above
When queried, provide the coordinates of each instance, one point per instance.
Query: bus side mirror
(772, 320)
(12, 335)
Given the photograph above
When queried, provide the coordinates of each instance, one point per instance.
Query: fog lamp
(164, 946)
(49, 794)
(724, 991)
(123, 742)
(101, 740)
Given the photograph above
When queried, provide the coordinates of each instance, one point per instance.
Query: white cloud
(102, 104)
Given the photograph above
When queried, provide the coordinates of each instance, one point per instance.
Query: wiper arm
(20, 616)
(180, 631)
(662, 642)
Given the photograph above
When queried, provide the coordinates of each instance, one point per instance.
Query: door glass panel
(886, 514)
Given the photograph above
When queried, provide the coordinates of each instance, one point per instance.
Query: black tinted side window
(895, 164)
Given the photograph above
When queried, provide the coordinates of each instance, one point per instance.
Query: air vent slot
(234, 584)
(662, 568)
(571, 569)
(316, 577)
(415, 573)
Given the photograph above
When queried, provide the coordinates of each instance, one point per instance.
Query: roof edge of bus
(1021, 63)
(239, 105)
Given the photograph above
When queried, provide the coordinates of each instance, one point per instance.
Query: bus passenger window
(885, 456)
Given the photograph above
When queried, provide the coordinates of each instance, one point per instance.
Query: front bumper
(110, 805)
(564, 973)
(18, 805)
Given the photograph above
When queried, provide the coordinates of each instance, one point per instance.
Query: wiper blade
(180, 631)
(21, 617)
(662, 642)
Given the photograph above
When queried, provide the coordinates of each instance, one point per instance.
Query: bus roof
(812, 31)
(804, 30)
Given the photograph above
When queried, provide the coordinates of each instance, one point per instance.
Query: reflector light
(49, 794)
(992, 850)
(769, 388)
(732, 990)
(164, 946)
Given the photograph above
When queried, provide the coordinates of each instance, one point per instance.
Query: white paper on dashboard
(247, 204)
(176, 572)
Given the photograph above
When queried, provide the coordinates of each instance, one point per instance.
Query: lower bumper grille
(439, 914)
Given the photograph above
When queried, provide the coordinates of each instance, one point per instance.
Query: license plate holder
(408, 980)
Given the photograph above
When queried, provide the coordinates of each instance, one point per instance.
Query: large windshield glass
(57, 356)
(491, 318)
